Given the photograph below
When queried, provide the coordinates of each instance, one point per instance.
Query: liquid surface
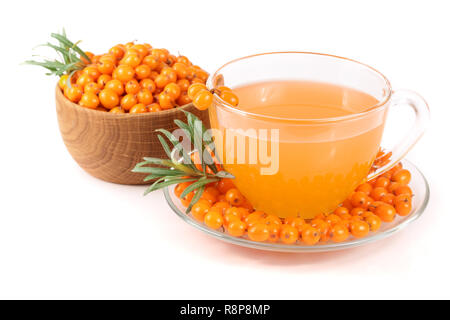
(319, 165)
(302, 100)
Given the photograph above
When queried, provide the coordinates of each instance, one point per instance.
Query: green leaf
(224, 174)
(159, 184)
(201, 182)
(196, 197)
(158, 171)
(69, 44)
(165, 146)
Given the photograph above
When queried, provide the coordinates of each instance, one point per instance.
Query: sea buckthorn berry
(223, 88)
(117, 110)
(132, 87)
(73, 93)
(402, 176)
(224, 185)
(180, 69)
(386, 212)
(201, 74)
(333, 219)
(341, 211)
(83, 80)
(228, 217)
(170, 73)
(108, 57)
(396, 168)
(258, 232)
(145, 97)
(160, 54)
(92, 71)
(209, 195)
(359, 199)
(117, 51)
(378, 192)
(131, 59)
(161, 81)
(116, 86)
(141, 48)
(274, 232)
(213, 219)
(236, 228)
(139, 108)
(288, 234)
(179, 188)
(183, 60)
(183, 99)
(165, 101)
(128, 101)
(148, 84)
(374, 205)
(382, 182)
(234, 197)
(357, 211)
(323, 228)
(92, 87)
(103, 80)
(392, 186)
(199, 210)
(310, 235)
(194, 89)
(150, 61)
(359, 229)
(347, 204)
(339, 233)
(89, 100)
(63, 81)
(124, 73)
(365, 187)
(388, 198)
(203, 100)
(143, 71)
(255, 217)
(403, 190)
(229, 97)
(172, 90)
(272, 219)
(108, 98)
(374, 222)
(297, 223)
(154, 107)
(221, 206)
(183, 84)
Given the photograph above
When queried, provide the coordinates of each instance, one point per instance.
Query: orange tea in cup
(307, 129)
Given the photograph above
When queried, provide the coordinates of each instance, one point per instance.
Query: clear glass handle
(420, 107)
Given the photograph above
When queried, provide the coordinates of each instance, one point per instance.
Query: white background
(64, 234)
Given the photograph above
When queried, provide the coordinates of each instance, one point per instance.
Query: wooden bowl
(107, 145)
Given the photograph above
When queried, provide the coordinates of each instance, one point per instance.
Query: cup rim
(220, 102)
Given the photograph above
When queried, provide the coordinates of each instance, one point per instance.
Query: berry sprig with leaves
(179, 167)
(71, 57)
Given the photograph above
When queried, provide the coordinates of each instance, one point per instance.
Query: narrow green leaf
(196, 197)
(165, 146)
(224, 174)
(159, 185)
(158, 171)
(201, 182)
(70, 44)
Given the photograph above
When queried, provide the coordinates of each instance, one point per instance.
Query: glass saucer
(418, 184)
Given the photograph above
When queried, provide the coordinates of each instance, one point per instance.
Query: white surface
(64, 234)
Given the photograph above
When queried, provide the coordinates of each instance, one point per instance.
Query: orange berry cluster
(202, 98)
(372, 203)
(133, 78)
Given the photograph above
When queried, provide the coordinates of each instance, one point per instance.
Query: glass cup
(303, 167)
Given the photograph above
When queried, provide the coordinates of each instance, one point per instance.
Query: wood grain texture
(108, 146)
